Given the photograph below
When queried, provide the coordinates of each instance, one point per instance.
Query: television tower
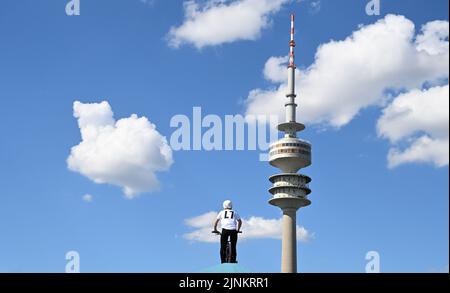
(290, 154)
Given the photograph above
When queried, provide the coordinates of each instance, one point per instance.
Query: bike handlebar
(218, 233)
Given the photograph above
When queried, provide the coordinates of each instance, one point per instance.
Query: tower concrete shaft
(290, 154)
(289, 241)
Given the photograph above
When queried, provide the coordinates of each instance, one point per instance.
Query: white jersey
(228, 219)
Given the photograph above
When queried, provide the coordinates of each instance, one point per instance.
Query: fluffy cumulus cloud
(223, 21)
(253, 227)
(126, 152)
(421, 119)
(368, 68)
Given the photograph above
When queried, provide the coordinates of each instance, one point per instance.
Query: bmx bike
(228, 247)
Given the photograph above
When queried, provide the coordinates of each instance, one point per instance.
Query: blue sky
(120, 52)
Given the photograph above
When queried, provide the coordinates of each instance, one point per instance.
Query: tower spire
(291, 105)
(292, 43)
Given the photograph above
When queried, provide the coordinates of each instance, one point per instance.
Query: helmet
(227, 204)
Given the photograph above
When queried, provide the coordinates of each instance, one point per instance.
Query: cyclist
(231, 223)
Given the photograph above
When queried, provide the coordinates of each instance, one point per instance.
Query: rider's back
(228, 219)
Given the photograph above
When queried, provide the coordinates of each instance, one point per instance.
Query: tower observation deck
(290, 154)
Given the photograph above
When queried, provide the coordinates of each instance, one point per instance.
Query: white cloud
(223, 21)
(350, 75)
(126, 153)
(274, 71)
(431, 38)
(418, 112)
(87, 197)
(253, 228)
